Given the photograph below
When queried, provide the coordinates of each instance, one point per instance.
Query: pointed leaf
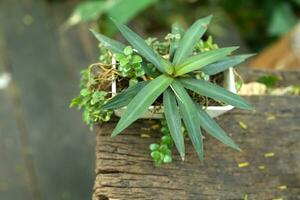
(190, 38)
(208, 89)
(124, 97)
(190, 117)
(140, 103)
(174, 120)
(224, 64)
(198, 61)
(212, 128)
(113, 45)
(177, 32)
(143, 49)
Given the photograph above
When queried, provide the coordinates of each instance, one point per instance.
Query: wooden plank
(287, 77)
(125, 170)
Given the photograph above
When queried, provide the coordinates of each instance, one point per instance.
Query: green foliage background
(258, 21)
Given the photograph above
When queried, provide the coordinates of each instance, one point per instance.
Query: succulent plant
(175, 76)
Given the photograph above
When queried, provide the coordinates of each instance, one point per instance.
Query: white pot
(213, 111)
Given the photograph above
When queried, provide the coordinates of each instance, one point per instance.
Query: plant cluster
(90, 101)
(207, 45)
(130, 65)
(162, 153)
(172, 70)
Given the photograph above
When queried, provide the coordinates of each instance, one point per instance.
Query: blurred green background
(258, 22)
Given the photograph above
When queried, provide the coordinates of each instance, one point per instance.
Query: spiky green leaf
(208, 89)
(141, 46)
(190, 38)
(140, 103)
(190, 117)
(174, 120)
(124, 97)
(198, 61)
(212, 128)
(224, 64)
(177, 32)
(113, 45)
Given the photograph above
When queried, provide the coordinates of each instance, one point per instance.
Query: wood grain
(125, 171)
(286, 77)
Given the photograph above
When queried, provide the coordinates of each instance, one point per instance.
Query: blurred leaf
(143, 49)
(156, 155)
(282, 20)
(177, 30)
(224, 64)
(208, 89)
(125, 10)
(167, 159)
(136, 59)
(198, 61)
(190, 38)
(269, 81)
(140, 103)
(89, 10)
(113, 45)
(85, 92)
(124, 97)
(154, 147)
(297, 2)
(174, 120)
(122, 10)
(128, 50)
(75, 101)
(189, 114)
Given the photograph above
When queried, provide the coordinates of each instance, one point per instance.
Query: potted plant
(184, 80)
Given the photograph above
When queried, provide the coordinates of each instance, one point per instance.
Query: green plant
(161, 153)
(130, 65)
(208, 45)
(176, 75)
(269, 80)
(91, 100)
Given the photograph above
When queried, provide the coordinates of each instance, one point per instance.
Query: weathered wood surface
(287, 77)
(125, 171)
